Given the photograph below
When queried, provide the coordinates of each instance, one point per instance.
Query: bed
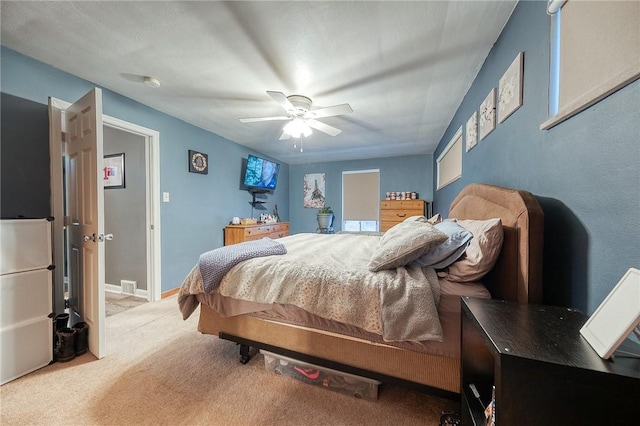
(428, 365)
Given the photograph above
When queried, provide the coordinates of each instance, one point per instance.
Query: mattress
(448, 311)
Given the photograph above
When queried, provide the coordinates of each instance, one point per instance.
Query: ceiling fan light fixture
(297, 127)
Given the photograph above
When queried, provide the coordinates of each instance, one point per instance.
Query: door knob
(105, 237)
(91, 237)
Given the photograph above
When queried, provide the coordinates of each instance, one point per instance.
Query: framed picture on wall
(487, 115)
(113, 171)
(314, 190)
(471, 134)
(198, 162)
(510, 89)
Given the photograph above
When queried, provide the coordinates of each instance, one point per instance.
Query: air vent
(128, 287)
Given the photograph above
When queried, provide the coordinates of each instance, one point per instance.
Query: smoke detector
(152, 82)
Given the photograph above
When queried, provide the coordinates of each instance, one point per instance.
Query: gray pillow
(448, 252)
(404, 243)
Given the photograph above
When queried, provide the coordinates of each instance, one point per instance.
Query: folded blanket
(216, 263)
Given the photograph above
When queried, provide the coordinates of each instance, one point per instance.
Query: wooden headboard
(517, 275)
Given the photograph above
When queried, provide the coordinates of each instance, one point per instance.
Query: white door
(85, 209)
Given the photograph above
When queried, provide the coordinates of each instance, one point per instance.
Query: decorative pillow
(404, 243)
(437, 218)
(481, 254)
(448, 252)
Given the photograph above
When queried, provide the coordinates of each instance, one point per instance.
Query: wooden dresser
(234, 234)
(393, 212)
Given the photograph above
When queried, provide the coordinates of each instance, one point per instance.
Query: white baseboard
(112, 288)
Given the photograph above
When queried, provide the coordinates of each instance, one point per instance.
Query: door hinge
(66, 304)
(63, 136)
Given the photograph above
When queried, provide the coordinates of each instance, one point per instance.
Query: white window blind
(361, 195)
(598, 51)
(449, 163)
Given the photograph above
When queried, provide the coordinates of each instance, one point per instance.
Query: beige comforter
(327, 275)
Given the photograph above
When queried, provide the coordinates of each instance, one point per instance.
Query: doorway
(124, 218)
(150, 163)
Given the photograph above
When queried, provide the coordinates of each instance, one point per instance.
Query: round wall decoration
(198, 162)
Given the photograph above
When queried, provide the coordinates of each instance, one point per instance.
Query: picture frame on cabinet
(616, 317)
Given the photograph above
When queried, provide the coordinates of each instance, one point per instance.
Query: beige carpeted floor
(160, 371)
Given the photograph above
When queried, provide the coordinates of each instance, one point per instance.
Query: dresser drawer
(234, 234)
(257, 231)
(280, 230)
(402, 205)
(399, 215)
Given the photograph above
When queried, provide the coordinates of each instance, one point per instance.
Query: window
(594, 52)
(360, 200)
(449, 163)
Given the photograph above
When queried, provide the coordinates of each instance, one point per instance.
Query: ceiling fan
(301, 117)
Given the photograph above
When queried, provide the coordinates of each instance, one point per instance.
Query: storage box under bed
(357, 386)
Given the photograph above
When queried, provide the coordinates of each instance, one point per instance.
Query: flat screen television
(261, 173)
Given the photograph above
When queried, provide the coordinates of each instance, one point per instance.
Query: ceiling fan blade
(280, 98)
(285, 136)
(253, 120)
(323, 127)
(330, 111)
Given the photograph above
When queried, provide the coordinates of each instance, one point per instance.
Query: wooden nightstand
(544, 372)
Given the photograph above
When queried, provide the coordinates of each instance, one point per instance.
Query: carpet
(116, 303)
(159, 370)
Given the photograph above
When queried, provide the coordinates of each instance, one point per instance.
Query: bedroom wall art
(510, 89)
(488, 114)
(314, 192)
(198, 162)
(113, 171)
(471, 134)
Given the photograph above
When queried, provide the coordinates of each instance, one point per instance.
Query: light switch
(165, 197)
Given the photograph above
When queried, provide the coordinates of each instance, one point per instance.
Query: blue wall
(585, 172)
(201, 205)
(408, 173)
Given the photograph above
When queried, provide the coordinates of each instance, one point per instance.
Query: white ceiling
(404, 67)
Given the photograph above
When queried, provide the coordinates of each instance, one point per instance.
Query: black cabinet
(543, 371)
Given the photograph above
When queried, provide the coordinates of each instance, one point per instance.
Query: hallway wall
(125, 212)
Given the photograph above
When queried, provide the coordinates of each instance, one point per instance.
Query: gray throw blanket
(216, 263)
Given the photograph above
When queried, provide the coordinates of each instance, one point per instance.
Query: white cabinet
(26, 329)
